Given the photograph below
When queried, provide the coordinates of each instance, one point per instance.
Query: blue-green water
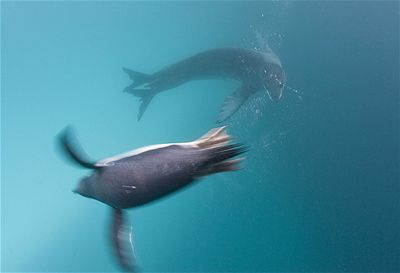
(319, 190)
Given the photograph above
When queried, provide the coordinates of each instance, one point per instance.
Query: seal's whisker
(295, 91)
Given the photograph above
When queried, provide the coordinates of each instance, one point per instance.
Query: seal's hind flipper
(219, 153)
(233, 102)
(145, 95)
(225, 166)
(138, 78)
(72, 150)
(221, 159)
(122, 241)
(214, 137)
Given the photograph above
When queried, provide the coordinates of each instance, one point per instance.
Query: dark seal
(147, 174)
(256, 70)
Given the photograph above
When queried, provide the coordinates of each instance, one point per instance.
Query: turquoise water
(319, 190)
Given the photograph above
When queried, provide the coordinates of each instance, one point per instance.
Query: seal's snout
(84, 187)
(78, 189)
(275, 98)
(275, 95)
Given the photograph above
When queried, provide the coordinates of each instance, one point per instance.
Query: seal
(256, 70)
(147, 174)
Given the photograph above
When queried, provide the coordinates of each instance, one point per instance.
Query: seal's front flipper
(72, 150)
(122, 241)
(233, 102)
(138, 78)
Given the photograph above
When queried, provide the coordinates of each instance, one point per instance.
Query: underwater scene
(200, 136)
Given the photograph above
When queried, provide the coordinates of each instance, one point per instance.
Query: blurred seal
(147, 174)
(256, 70)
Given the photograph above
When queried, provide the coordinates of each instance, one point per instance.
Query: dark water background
(319, 191)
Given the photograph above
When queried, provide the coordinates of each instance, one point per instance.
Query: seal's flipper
(220, 158)
(262, 42)
(145, 95)
(214, 137)
(225, 166)
(138, 78)
(122, 241)
(233, 102)
(72, 150)
(219, 153)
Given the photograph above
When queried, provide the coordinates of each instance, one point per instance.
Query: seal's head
(274, 79)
